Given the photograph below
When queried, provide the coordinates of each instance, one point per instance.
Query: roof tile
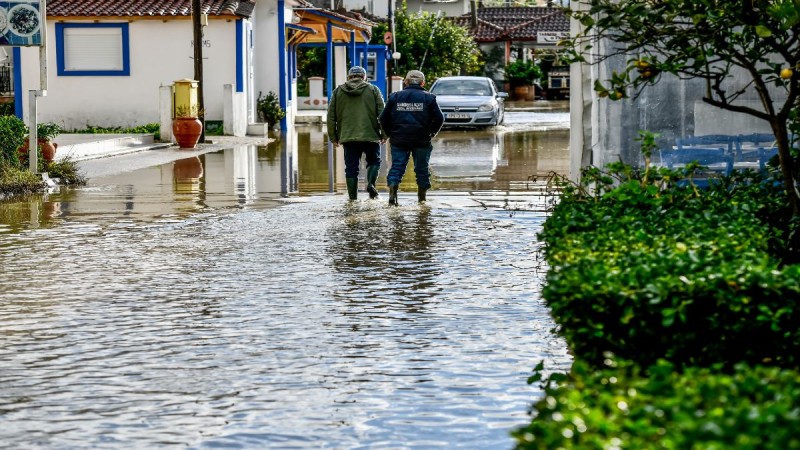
(146, 8)
(516, 23)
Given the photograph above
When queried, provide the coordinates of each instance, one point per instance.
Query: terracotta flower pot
(187, 131)
(48, 150)
(524, 92)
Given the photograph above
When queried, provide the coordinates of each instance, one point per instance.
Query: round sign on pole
(387, 37)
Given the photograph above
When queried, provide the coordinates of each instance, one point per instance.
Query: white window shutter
(88, 49)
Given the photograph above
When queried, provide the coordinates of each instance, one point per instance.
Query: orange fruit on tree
(786, 73)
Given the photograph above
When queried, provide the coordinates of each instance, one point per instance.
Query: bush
(621, 407)
(270, 109)
(47, 131)
(12, 135)
(66, 170)
(651, 270)
(520, 73)
(17, 181)
(7, 109)
(149, 128)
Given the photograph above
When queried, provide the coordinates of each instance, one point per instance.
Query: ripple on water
(323, 324)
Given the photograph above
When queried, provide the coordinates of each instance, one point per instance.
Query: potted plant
(270, 109)
(45, 133)
(186, 126)
(522, 75)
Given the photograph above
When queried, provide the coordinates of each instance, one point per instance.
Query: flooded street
(228, 299)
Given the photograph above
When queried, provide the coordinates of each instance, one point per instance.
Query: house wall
(605, 131)
(448, 8)
(160, 53)
(267, 55)
(378, 8)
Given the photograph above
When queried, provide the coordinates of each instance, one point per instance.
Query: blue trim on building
(282, 60)
(295, 26)
(126, 61)
(330, 62)
(17, 55)
(240, 55)
(353, 54)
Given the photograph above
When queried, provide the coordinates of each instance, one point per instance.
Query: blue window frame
(92, 49)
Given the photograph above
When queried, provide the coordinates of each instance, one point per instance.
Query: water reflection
(181, 307)
(239, 177)
(372, 249)
(501, 158)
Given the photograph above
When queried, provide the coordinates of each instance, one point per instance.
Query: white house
(107, 60)
(109, 63)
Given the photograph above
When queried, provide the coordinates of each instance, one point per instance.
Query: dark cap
(356, 71)
(415, 77)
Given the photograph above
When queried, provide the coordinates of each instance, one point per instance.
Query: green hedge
(648, 272)
(12, 135)
(618, 408)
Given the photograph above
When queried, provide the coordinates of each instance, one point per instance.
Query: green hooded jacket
(353, 113)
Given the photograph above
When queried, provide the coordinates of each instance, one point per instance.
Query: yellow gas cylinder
(184, 95)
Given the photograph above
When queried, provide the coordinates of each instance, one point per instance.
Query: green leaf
(763, 31)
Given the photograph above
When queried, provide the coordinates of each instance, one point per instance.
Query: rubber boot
(352, 188)
(421, 194)
(393, 194)
(372, 177)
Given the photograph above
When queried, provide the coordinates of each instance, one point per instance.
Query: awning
(313, 26)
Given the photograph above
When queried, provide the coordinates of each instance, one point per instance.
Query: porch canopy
(343, 29)
(314, 26)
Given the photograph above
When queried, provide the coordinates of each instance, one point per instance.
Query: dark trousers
(400, 157)
(352, 156)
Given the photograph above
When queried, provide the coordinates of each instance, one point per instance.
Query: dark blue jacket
(411, 117)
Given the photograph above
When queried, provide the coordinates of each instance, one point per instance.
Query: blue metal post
(282, 60)
(353, 53)
(17, 55)
(330, 82)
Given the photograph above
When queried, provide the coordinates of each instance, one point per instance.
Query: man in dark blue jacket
(411, 119)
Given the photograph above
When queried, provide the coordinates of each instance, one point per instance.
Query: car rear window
(462, 87)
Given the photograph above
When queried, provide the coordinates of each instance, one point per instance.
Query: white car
(469, 101)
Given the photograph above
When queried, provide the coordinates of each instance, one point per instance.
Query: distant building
(507, 33)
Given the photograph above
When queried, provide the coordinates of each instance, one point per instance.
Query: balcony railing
(6, 81)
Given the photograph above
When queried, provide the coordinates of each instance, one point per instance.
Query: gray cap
(415, 77)
(356, 72)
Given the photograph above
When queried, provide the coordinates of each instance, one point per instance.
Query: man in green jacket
(353, 122)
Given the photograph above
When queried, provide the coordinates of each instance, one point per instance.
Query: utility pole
(197, 26)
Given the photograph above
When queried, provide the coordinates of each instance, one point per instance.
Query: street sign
(551, 37)
(20, 23)
(387, 37)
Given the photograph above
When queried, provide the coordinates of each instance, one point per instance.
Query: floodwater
(227, 300)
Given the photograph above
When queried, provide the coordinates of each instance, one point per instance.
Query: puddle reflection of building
(247, 171)
(534, 152)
